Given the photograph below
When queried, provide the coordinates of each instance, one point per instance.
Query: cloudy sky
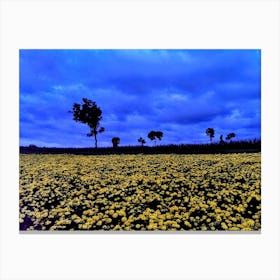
(179, 92)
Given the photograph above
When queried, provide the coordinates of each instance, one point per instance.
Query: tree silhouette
(210, 132)
(154, 135)
(221, 139)
(89, 113)
(116, 141)
(142, 141)
(230, 135)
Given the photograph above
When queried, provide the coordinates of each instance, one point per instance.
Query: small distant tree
(221, 139)
(230, 136)
(210, 132)
(89, 113)
(116, 141)
(142, 141)
(32, 146)
(154, 135)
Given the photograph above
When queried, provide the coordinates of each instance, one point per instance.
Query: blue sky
(179, 92)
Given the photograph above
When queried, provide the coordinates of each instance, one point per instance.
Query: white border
(139, 24)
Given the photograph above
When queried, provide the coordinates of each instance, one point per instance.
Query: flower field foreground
(140, 192)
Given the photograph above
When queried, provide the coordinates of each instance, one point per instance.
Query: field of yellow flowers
(140, 192)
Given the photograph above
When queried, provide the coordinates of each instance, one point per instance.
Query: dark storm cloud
(176, 91)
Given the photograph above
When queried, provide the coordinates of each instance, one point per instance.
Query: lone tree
(89, 113)
(230, 135)
(154, 135)
(116, 141)
(210, 132)
(142, 141)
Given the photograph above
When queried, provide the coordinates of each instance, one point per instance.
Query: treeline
(252, 146)
(90, 114)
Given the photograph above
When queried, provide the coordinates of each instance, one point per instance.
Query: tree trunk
(95, 139)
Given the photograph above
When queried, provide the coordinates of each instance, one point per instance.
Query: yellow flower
(152, 188)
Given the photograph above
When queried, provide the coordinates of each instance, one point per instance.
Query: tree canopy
(116, 141)
(89, 113)
(142, 141)
(230, 135)
(154, 135)
(210, 132)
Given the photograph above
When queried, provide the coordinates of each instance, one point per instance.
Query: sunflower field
(220, 192)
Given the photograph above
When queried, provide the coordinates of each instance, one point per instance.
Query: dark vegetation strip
(253, 146)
